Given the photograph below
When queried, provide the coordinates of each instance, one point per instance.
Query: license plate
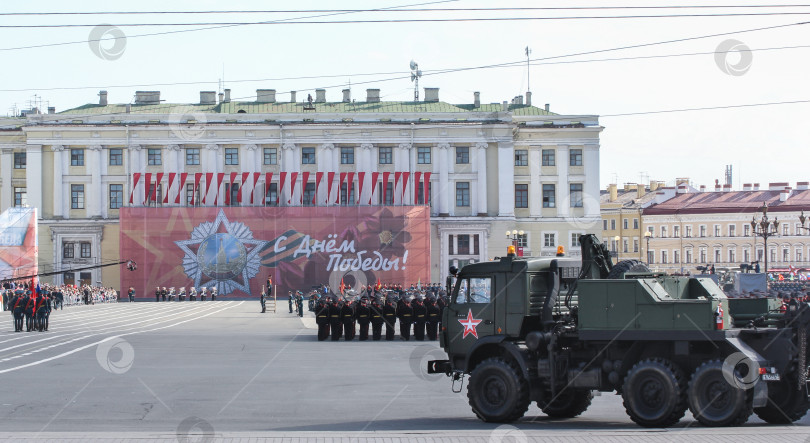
(771, 377)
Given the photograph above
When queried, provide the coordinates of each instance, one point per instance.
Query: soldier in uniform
(30, 308)
(157, 294)
(300, 302)
(12, 306)
(192, 294)
(347, 317)
(363, 317)
(202, 293)
(390, 318)
(322, 318)
(376, 320)
(433, 318)
(182, 295)
(262, 301)
(213, 293)
(419, 318)
(405, 314)
(164, 293)
(290, 300)
(131, 294)
(334, 319)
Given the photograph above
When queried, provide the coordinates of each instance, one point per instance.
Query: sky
(698, 68)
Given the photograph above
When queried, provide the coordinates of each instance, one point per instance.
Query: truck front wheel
(716, 401)
(786, 404)
(497, 392)
(654, 393)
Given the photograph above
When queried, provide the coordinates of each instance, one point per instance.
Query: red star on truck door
(469, 324)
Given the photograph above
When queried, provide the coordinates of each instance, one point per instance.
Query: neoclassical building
(488, 168)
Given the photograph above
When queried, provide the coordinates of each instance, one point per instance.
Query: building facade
(488, 168)
(714, 228)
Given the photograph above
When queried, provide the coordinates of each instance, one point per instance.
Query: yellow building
(622, 221)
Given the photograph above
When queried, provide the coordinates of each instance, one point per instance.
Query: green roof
(294, 108)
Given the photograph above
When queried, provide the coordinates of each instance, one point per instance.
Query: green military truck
(554, 330)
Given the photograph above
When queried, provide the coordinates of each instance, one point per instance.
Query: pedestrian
(390, 318)
(419, 318)
(347, 317)
(363, 317)
(290, 300)
(262, 301)
(300, 304)
(376, 320)
(334, 319)
(163, 293)
(157, 294)
(322, 318)
(433, 318)
(131, 294)
(405, 314)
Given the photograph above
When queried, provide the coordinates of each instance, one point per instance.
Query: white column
(136, 165)
(506, 179)
(590, 189)
(289, 152)
(365, 166)
(211, 163)
(444, 179)
(58, 172)
(403, 164)
(93, 191)
(481, 165)
(7, 162)
(33, 177)
(563, 189)
(535, 190)
(252, 163)
(172, 164)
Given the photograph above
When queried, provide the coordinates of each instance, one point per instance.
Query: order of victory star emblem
(221, 254)
(469, 324)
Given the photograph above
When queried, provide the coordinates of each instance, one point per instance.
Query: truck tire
(627, 266)
(497, 392)
(785, 405)
(714, 401)
(654, 393)
(568, 404)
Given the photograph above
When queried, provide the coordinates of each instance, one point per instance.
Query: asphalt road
(221, 369)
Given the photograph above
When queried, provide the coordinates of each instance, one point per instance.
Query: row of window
(731, 255)
(625, 224)
(549, 195)
(69, 250)
(154, 157)
(717, 230)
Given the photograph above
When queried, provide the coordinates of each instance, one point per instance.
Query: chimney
(51, 110)
(548, 107)
(702, 188)
(373, 95)
(320, 96)
(292, 96)
(682, 181)
(614, 192)
(102, 98)
(641, 190)
(227, 98)
(717, 187)
(653, 185)
(528, 98)
(683, 189)
(629, 187)
(726, 188)
(756, 186)
(747, 186)
(431, 94)
(221, 97)
(778, 186)
(147, 97)
(208, 97)
(800, 186)
(518, 100)
(505, 106)
(347, 96)
(266, 95)
(476, 99)
(784, 195)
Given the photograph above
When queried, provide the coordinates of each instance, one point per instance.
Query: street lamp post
(766, 229)
(514, 236)
(616, 240)
(648, 236)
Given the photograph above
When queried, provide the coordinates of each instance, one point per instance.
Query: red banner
(235, 249)
(182, 188)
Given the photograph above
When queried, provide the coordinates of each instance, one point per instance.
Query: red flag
(340, 185)
(293, 180)
(169, 188)
(342, 286)
(318, 178)
(135, 178)
(220, 176)
(245, 177)
(385, 176)
(157, 183)
(374, 177)
(181, 186)
(330, 177)
(282, 179)
(197, 177)
(360, 179)
(147, 184)
(427, 188)
(304, 182)
(405, 176)
(349, 186)
(417, 176)
(379, 284)
(256, 180)
(209, 177)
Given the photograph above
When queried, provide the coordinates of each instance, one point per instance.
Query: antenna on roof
(528, 71)
(415, 74)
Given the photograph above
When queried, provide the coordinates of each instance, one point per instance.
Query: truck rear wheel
(567, 404)
(714, 401)
(786, 404)
(654, 393)
(497, 392)
(627, 266)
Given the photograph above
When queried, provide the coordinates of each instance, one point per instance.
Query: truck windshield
(474, 290)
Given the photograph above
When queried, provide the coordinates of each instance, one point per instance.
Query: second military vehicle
(554, 330)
